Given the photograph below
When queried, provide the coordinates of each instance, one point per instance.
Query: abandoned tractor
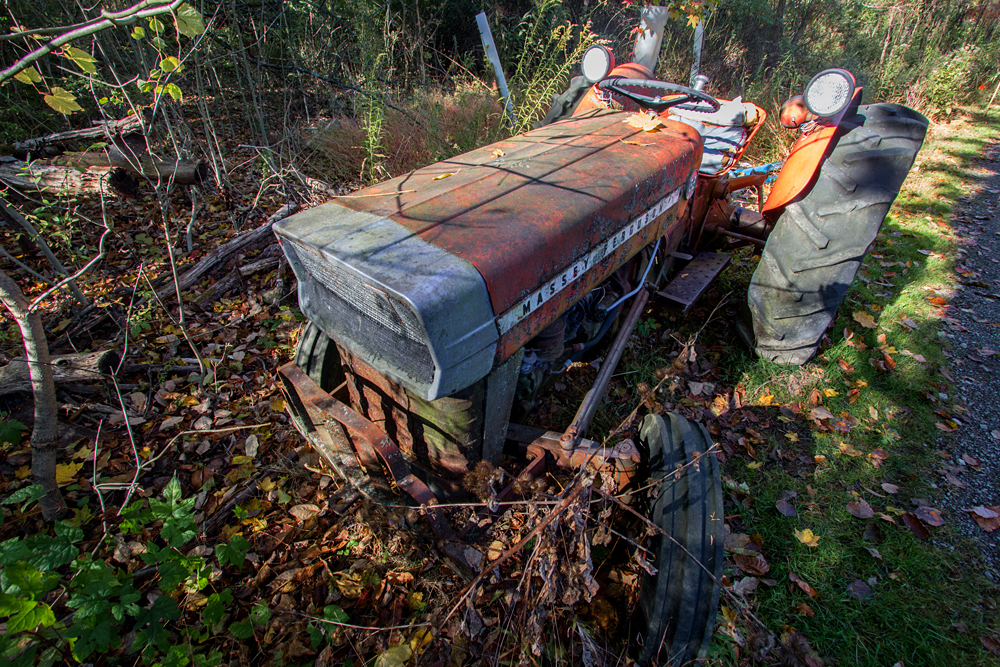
(441, 301)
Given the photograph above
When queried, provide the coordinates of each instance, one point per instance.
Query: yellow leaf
(807, 537)
(278, 405)
(728, 615)
(643, 122)
(792, 435)
(755, 465)
(394, 656)
(29, 76)
(766, 400)
(497, 153)
(83, 60)
(169, 64)
(138, 32)
(66, 472)
(693, 20)
(421, 638)
(62, 101)
(864, 319)
(240, 460)
(266, 484)
(848, 448)
(22, 472)
(442, 176)
(829, 393)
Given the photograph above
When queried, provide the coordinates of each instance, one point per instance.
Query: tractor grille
(386, 329)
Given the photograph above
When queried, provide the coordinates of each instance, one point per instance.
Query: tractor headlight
(598, 61)
(829, 92)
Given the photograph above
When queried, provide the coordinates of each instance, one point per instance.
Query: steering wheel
(689, 99)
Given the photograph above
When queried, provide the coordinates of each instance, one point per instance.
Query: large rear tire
(678, 605)
(818, 242)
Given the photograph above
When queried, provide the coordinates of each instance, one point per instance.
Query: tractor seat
(723, 132)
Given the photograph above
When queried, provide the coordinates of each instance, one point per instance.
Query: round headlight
(829, 92)
(597, 62)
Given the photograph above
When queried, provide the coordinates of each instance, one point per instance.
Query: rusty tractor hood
(432, 276)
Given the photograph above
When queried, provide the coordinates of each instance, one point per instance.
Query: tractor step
(694, 278)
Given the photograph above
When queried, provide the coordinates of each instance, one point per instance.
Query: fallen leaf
(864, 319)
(844, 366)
(278, 405)
(848, 448)
(874, 552)
(806, 588)
(878, 457)
(303, 511)
(991, 644)
(986, 352)
(929, 515)
(954, 481)
(251, 446)
(202, 423)
(859, 590)
(66, 472)
(969, 460)
(497, 153)
(805, 609)
(495, 550)
(786, 508)
(873, 533)
(889, 488)
(917, 528)
(819, 412)
(995, 433)
(752, 564)
(644, 122)
(860, 509)
(746, 586)
(885, 517)
(960, 626)
(443, 176)
(987, 518)
(170, 422)
(807, 537)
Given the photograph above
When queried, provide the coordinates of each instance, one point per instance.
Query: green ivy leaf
(27, 493)
(174, 91)
(172, 574)
(37, 614)
(169, 64)
(215, 608)
(138, 32)
(62, 101)
(332, 612)
(70, 532)
(83, 60)
(189, 21)
(242, 629)
(29, 76)
(260, 614)
(156, 25)
(159, 43)
(233, 553)
(11, 604)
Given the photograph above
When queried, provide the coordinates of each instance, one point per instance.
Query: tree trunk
(66, 369)
(98, 172)
(62, 180)
(45, 434)
(182, 172)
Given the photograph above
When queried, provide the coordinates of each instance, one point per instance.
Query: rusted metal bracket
(371, 445)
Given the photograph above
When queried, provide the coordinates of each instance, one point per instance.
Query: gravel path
(971, 335)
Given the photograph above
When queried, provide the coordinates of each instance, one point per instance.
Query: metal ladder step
(694, 278)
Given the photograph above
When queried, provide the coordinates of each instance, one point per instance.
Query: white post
(699, 39)
(491, 54)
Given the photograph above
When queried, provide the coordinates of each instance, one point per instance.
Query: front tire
(679, 604)
(819, 241)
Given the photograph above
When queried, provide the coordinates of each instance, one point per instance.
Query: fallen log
(180, 172)
(65, 180)
(67, 369)
(54, 144)
(255, 239)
